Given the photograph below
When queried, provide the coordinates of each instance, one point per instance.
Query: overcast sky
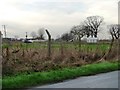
(58, 16)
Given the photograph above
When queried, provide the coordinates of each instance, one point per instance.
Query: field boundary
(40, 78)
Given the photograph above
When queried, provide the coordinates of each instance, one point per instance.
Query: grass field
(32, 57)
(84, 46)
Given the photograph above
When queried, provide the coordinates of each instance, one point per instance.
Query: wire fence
(33, 57)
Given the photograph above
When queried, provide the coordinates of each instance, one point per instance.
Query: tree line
(39, 34)
(90, 27)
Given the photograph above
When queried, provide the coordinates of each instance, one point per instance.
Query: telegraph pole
(4, 28)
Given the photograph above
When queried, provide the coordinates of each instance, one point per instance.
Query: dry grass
(17, 60)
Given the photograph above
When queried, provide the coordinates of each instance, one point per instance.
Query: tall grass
(32, 57)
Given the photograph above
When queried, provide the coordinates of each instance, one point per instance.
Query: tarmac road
(104, 80)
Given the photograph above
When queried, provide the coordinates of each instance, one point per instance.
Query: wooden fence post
(0, 46)
(49, 43)
(0, 60)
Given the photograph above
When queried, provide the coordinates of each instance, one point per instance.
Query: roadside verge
(40, 78)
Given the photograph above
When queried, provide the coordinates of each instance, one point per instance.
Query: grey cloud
(68, 7)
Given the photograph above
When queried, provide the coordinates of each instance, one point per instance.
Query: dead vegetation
(17, 60)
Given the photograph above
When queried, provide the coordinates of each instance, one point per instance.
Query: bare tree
(78, 32)
(33, 34)
(115, 34)
(93, 23)
(41, 33)
(67, 36)
(114, 31)
(88, 31)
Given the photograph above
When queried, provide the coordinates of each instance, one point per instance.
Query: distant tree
(93, 23)
(41, 33)
(78, 32)
(67, 36)
(88, 31)
(16, 37)
(58, 38)
(115, 34)
(114, 31)
(33, 34)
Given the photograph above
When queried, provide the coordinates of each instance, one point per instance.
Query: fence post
(0, 60)
(0, 46)
(49, 43)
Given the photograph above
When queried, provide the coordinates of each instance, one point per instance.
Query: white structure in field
(91, 39)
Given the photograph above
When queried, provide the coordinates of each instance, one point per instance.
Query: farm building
(91, 39)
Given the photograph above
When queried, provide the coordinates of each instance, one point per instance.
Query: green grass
(56, 45)
(39, 78)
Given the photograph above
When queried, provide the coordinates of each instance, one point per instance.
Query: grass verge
(39, 78)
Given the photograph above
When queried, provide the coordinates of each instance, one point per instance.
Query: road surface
(105, 80)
